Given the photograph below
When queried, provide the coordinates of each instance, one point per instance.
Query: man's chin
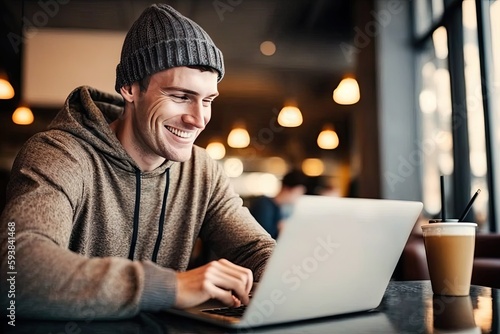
(180, 156)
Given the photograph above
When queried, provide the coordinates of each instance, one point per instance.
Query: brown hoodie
(96, 238)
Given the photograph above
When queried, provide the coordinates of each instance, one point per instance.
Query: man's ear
(127, 93)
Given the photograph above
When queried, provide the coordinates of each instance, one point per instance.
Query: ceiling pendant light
(290, 116)
(6, 89)
(238, 137)
(347, 92)
(23, 116)
(328, 138)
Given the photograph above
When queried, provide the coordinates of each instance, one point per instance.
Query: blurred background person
(271, 212)
(323, 186)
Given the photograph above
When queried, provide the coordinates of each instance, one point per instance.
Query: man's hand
(221, 280)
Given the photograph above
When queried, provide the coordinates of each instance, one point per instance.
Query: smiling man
(108, 203)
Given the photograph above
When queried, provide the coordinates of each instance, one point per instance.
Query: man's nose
(196, 116)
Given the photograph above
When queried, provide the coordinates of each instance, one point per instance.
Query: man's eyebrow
(188, 91)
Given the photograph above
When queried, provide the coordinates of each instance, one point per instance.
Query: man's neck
(125, 136)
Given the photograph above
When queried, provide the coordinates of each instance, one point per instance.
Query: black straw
(443, 209)
(469, 206)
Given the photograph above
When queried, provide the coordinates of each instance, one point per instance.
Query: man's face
(172, 112)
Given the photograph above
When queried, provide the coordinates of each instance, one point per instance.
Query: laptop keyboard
(236, 312)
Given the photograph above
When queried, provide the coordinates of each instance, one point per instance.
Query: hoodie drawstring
(161, 222)
(136, 214)
(162, 217)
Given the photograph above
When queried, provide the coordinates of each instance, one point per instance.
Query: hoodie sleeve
(51, 281)
(231, 231)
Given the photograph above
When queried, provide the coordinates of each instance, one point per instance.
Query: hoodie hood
(87, 114)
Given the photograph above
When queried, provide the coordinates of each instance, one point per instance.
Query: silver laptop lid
(334, 256)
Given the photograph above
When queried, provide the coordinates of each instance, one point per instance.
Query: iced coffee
(449, 248)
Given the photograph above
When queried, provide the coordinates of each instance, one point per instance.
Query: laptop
(335, 256)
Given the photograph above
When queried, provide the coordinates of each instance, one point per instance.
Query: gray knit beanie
(162, 38)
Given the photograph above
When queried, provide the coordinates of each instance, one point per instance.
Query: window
(475, 113)
(458, 76)
(491, 16)
(435, 106)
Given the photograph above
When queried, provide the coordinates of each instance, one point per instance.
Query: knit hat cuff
(168, 54)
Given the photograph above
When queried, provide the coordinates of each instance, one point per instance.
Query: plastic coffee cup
(449, 249)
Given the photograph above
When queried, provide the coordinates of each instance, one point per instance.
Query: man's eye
(181, 97)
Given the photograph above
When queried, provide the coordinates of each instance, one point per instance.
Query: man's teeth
(180, 133)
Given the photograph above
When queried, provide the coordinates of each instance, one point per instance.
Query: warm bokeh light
(233, 167)
(216, 150)
(469, 14)
(445, 163)
(290, 117)
(478, 163)
(328, 138)
(238, 137)
(444, 140)
(269, 184)
(431, 194)
(443, 91)
(267, 48)
(440, 40)
(262, 184)
(471, 55)
(427, 101)
(6, 89)
(23, 116)
(313, 167)
(276, 165)
(347, 92)
(428, 70)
